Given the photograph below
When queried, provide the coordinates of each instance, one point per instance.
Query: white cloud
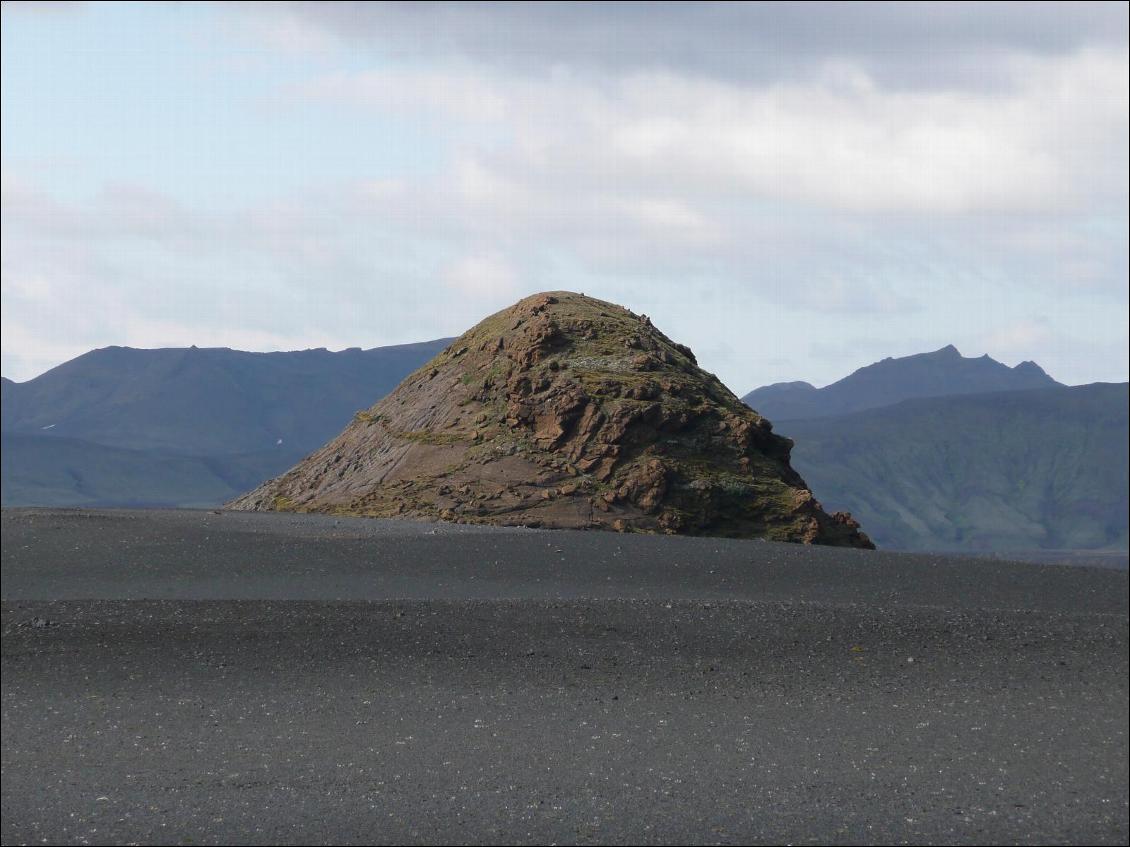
(453, 94)
(854, 146)
(903, 45)
(485, 276)
(1057, 347)
(1018, 339)
(672, 216)
(287, 33)
(755, 214)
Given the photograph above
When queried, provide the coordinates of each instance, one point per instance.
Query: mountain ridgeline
(942, 452)
(207, 401)
(942, 373)
(182, 426)
(995, 459)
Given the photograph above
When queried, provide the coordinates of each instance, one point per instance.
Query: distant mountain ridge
(1016, 470)
(942, 452)
(942, 373)
(207, 401)
(182, 426)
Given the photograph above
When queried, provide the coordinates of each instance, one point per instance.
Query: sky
(793, 190)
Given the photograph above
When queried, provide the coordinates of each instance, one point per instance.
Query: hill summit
(564, 411)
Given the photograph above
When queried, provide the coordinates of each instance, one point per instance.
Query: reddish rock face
(564, 411)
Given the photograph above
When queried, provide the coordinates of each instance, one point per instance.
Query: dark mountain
(207, 401)
(184, 427)
(46, 470)
(941, 373)
(1018, 470)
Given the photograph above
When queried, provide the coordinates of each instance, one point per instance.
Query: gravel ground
(189, 677)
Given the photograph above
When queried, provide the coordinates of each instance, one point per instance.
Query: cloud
(42, 6)
(839, 197)
(452, 95)
(132, 266)
(854, 147)
(483, 276)
(767, 181)
(837, 294)
(290, 33)
(920, 45)
(1018, 338)
(1055, 347)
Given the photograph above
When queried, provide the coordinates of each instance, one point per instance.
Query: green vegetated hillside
(45, 471)
(1043, 468)
(185, 426)
(207, 401)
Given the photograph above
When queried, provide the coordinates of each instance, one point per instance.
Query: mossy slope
(564, 411)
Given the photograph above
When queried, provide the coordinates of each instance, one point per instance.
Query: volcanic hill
(564, 411)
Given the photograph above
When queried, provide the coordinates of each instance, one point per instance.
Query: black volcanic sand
(262, 678)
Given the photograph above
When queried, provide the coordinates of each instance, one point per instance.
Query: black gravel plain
(194, 677)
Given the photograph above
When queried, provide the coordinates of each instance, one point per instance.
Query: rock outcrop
(564, 411)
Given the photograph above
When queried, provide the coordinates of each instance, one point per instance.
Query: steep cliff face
(564, 411)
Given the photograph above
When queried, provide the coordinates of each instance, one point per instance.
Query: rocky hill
(564, 411)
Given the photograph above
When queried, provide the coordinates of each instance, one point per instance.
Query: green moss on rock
(565, 411)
